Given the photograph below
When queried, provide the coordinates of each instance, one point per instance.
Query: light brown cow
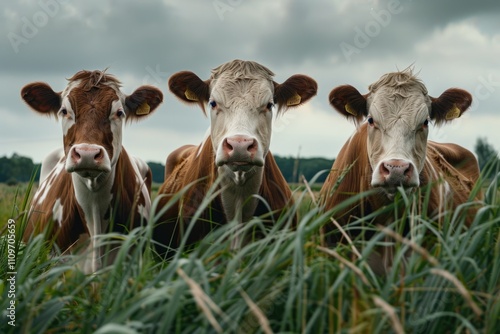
(390, 149)
(241, 96)
(95, 186)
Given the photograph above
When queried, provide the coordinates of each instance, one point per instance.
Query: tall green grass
(445, 279)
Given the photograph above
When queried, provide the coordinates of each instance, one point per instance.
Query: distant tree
(158, 171)
(16, 168)
(4, 169)
(285, 164)
(12, 182)
(486, 154)
(308, 167)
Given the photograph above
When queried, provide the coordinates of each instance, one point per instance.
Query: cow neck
(94, 198)
(237, 190)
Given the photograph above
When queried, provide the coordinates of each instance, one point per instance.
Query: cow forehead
(239, 79)
(398, 95)
(91, 109)
(99, 99)
(252, 92)
(389, 105)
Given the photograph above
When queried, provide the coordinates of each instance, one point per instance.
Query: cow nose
(86, 154)
(396, 171)
(239, 145)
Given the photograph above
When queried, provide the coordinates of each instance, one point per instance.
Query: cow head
(241, 96)
(93, 111)
(398, 112)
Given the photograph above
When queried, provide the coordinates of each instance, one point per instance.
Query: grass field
(446, 279)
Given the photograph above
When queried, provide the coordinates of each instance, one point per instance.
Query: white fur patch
(57, 212)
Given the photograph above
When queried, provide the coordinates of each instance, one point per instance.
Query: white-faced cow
(240, 96)
(95, 187)
(390, 148)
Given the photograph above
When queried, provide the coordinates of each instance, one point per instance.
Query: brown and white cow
(390, 148)
(240, 96)
(95, 186)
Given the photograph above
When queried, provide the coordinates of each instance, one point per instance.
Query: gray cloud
(452, 43)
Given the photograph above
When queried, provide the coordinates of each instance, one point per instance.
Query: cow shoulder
(143, 170)
(449, 161)
(177, 157)
(59, 216)
(191, 171)
(459, 157)
(195, 169)
(50, 162)
(350, 171)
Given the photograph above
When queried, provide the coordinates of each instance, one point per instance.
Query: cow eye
(370, 120)
(63, 111)
(426, 123)
(120, 113)
(270, 106)
(212, 104)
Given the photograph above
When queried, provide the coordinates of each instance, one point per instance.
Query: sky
(450, 43)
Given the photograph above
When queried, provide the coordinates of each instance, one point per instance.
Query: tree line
(291, 168)
(18, 168)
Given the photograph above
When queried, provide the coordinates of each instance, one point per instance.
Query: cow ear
(188, 87)
(41, 98)
(143, 101)
(349, 102)
(294, 91)
(450, 105)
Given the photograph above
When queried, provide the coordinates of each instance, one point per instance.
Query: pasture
(445, 278)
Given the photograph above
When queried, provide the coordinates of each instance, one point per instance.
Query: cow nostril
(253, 146)
(75, 155)
(409, 171)
(99, 155)
(227, 147)
(384, 170)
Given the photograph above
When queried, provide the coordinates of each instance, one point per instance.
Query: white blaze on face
(241, 121)
(66, 113)
(117, 119)
(397, 135)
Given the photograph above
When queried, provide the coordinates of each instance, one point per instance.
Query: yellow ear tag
(294, 100)
(143, 109)
(453, 113)
(349, 109)
(190, 95)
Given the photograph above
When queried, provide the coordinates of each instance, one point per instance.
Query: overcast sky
(452, 43)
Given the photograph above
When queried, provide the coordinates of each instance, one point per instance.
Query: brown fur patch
(126, 197)
(199, 170)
